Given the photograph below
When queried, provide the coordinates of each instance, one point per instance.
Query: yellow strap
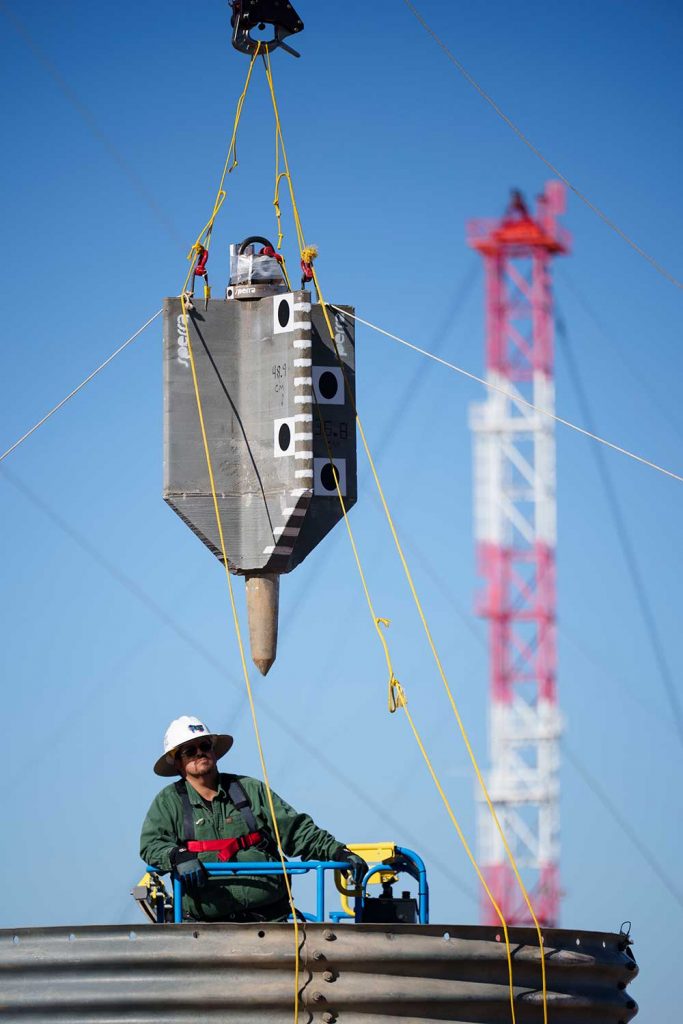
(396, 693)
(451, 814)
(279, 175)
(397, 698)
(432, 647)
(204, 238)
(243, 660)
(416, 599)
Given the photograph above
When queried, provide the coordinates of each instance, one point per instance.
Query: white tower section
(515, 526)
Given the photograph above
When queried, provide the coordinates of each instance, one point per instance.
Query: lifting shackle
(268, 248)
(199, 270)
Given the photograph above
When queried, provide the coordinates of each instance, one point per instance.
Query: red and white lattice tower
(514, 459)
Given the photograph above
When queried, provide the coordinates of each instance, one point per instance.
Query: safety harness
(225, 848)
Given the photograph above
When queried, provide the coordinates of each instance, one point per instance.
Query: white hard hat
(184, 730)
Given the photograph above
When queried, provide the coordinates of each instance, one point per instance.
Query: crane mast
(515, 531)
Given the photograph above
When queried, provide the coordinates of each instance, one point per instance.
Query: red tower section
(515, 527)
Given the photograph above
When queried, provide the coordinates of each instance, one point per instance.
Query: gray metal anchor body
(280, 424)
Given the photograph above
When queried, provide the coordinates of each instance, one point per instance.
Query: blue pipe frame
(411, 863)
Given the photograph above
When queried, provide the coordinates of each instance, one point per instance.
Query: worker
(209, 815)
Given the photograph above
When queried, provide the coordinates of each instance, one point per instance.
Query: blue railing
(414, 866)
(411, 863)
(252, 868)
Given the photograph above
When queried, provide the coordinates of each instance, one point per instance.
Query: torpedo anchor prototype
(278, 408)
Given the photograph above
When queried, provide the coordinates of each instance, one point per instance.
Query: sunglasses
(203, 747)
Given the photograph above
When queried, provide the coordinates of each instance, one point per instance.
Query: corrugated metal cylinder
(362, 974)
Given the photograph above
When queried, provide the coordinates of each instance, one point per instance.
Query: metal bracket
(250, 14)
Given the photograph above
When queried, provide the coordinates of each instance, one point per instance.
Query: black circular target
(283, 313)
(284, 437)
(328, 385)
(329, 476)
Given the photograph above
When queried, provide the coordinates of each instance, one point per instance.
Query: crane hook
(250, 14)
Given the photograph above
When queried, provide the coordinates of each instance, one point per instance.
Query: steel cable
(91, 376)
(627, 548)
(623, 823)
(527, 142)
(514, 396)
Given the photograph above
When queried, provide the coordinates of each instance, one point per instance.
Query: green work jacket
(226, 897)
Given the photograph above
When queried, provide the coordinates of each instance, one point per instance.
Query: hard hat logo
(180, 731)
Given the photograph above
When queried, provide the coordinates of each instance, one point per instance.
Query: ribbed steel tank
(354, 974)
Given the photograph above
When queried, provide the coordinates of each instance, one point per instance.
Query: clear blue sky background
(108, 108)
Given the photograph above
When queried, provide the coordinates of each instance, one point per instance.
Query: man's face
(196, 758)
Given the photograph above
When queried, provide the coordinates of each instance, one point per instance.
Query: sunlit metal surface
(362, 974)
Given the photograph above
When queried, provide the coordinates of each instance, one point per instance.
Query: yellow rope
(206, 234)
(279, 136)
(404, 564)
(278, 212)
(396, 699)
(279, 175)
(397, 695)
(276, 197)
(432, 646)
(243, 660)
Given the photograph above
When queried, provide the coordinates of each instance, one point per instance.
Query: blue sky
(115, 121)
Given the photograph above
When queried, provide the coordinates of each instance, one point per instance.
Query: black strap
(241, 801)
(188, 815)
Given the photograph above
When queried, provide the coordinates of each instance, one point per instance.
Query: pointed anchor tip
(262, 609)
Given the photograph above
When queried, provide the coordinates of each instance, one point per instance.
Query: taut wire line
(623, 536)
(79, 387)
(622, 821)
(529, 144)
(512, 395)
(91, 122)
